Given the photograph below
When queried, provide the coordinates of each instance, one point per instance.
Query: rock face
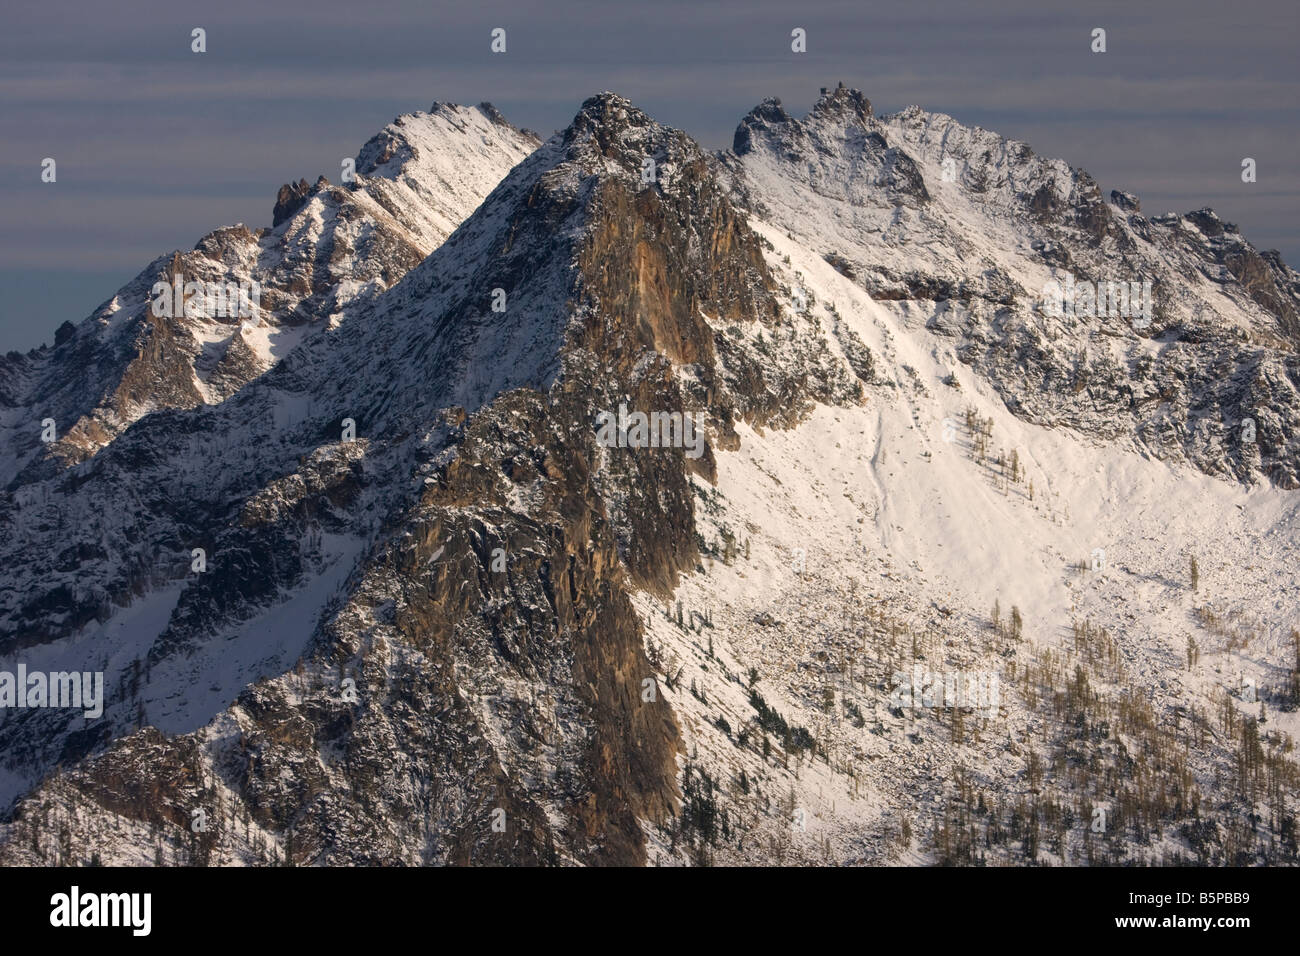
(388, 598)
(289, 200)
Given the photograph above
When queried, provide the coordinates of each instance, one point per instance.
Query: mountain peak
(765, 115)
(611, 135)
(843, 103)
(608, 119)
(492, 113)
(839, 107)
(290, 198)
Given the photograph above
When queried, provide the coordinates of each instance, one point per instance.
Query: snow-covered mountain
(437, 616)
(963, 229)
(330, 245)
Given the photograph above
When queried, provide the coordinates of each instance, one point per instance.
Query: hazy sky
(157, 145)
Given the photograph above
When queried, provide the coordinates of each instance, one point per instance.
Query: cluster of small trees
(702, 822)
(1012, 628)
(1119, 773)
(694, 621)
(1010, 470)
(981, 432)
(1291, 687)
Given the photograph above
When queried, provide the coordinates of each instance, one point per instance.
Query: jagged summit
(839, 145)
(842, 104)
(769, 121)
(626, 139)
(766, 114)
(456, 111)
(611, 125)
(292, 197)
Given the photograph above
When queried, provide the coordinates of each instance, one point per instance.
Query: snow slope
(898, 523)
